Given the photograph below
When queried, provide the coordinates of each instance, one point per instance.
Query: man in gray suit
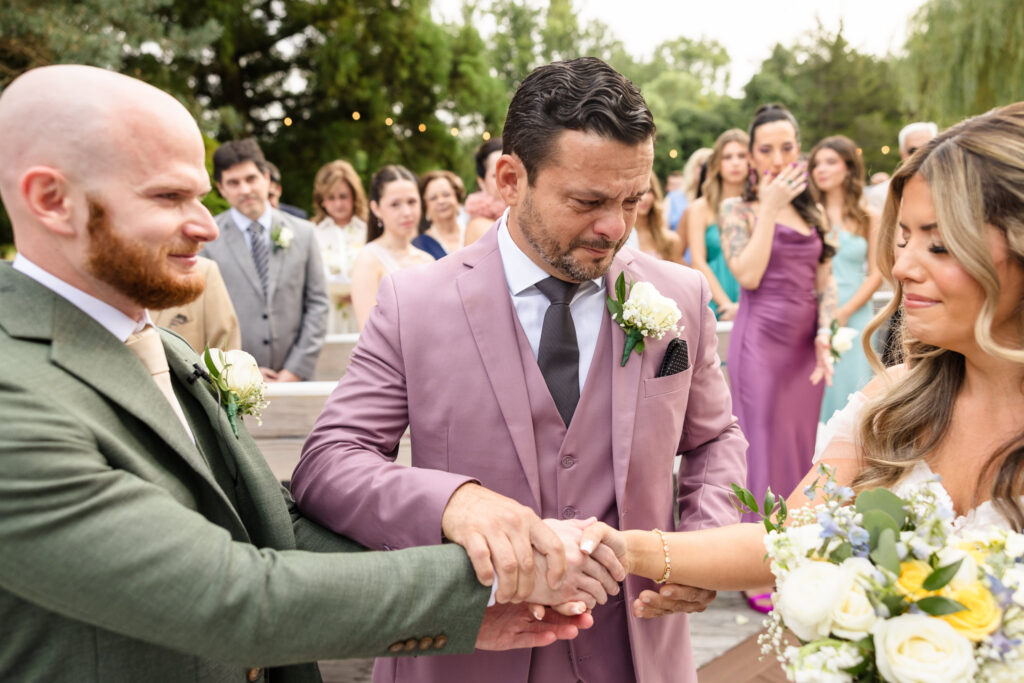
(140, 538)
(271, 266)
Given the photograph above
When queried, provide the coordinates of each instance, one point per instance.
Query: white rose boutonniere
(643, 313)
(281, 237)
(236, 379)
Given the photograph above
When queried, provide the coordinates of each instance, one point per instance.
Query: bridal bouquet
(881, 588)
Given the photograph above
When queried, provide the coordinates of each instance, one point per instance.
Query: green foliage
(963, 58)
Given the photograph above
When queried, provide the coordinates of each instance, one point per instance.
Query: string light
(422, 128)
(455, 132)
(388, 121)
(673, 153)
(486, 136)
(885, 149)
(287, 121)
(355, 116)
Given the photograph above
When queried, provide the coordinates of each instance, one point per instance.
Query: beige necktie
(150, 350)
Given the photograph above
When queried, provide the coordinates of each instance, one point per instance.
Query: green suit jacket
(128, 553)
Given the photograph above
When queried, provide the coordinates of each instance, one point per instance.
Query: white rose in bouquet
(807, 596)
(968, 572)
(853, 615)
(914, 648)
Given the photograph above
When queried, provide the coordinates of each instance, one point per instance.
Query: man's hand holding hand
(500, 535)
(509, 626)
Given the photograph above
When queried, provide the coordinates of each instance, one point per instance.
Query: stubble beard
(562, 260)
(137, 270)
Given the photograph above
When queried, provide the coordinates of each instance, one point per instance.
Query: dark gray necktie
(559, 352)
(260, 253)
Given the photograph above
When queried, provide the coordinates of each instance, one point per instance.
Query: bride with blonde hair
(952, 247)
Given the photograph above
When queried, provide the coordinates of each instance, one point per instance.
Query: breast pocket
(658, 386)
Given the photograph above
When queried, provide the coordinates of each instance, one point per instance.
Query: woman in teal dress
(727, 172)
(837, 181)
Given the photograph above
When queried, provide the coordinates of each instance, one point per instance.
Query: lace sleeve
(841, 428)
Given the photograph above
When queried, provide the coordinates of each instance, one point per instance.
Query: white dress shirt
(522, 276)
(112, 320)
(242, 222)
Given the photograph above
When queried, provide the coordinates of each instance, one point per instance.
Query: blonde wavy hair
(712, 188)
(327, 177)
(975, 171)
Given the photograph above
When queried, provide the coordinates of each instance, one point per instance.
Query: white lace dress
(842, 428)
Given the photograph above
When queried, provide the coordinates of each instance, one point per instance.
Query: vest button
(568, 461)
(568, 512)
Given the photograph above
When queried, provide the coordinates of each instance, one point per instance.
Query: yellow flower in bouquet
(912, 576)
(982, 616)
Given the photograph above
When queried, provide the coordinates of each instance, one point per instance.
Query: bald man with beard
(141, 540)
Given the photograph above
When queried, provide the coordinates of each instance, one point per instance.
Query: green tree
(833, 89)
(963, 58)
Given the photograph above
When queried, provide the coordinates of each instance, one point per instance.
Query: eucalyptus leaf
(841, 553)
(885, 554)
(941, 576)
(875, 521)
(936, 605)
(885, 501)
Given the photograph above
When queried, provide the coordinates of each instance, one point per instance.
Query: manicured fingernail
(645, 600)
(587, 546)
(578, 609)
(537, 614)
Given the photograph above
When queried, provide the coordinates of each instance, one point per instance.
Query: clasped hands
(539, 563)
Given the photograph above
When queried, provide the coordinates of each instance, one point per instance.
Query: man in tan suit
(210, 320)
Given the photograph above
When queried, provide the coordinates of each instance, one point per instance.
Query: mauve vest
(577, 481)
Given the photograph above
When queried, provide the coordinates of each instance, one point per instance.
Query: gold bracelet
(668, 558)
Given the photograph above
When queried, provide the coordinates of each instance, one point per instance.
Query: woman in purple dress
(774, 239)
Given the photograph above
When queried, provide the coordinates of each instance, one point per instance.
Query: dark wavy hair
(582, 94)
(804, 203)
(482, 152)
(380, 180)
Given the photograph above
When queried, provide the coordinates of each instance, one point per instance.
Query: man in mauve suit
(504, 388)
(141, 539)
(282, 305)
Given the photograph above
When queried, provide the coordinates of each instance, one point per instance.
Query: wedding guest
(837, 179)
(675, 200)
(728, 168)
(775, 242)
(339, 212)
(652, 235)
(952, 247)
(394, 222)
(441, 192)
(275, 191)
(485, 205)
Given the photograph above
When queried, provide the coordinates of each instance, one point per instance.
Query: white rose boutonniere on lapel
(236, 379)
(281, 237)
(643, 313)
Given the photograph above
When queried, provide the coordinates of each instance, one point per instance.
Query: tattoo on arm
(828, 301)
(737, 221)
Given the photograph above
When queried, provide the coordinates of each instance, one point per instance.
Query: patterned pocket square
(676, 359)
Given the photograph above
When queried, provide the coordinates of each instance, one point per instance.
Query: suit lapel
(277, 257)
(239, 250)
(85, 349)
(492, 321)
(625, 384)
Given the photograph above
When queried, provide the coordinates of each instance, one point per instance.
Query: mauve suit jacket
(440, 354)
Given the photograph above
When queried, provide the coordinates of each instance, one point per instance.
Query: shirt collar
(521, 272)
(113, 320)
(243, 222)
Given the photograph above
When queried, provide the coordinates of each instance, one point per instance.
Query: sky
(747, 28)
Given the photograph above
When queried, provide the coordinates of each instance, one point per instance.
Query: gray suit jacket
(286, 328)
(128, 553)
